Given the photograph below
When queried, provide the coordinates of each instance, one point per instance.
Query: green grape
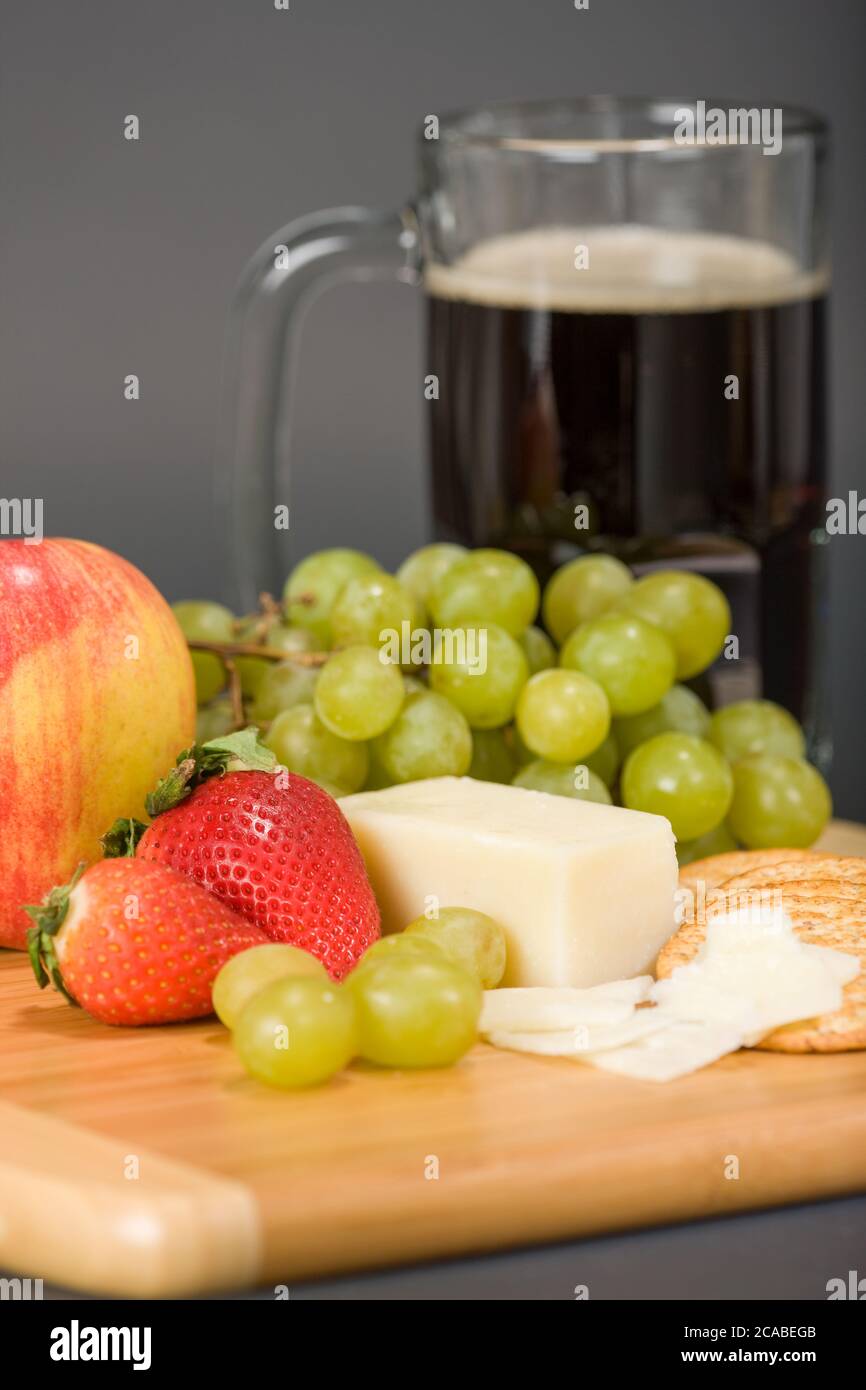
(470, 939)
(283, 686)
(333, 788)
(314, 584)
(538, 649)
(291, 640)
(297, 1031)
(249, 971)
(420, 571)
(372, 606)
(200, 621)
(718, 841)
(303, 745)
(779, 801)
(679, 711)
(522, 754)
(562, 715)
(681, 777)
(632, 661)
(485, 690)
(486, 586)
(251, 669)
(429, 738)
(605, 761)
(559, 779)
(415, 1012)
(583, 589)
(357, 695)
(756, 726)
(214, 720)
(492, 758)
(396, 943)
(377, 778)
(690, 609)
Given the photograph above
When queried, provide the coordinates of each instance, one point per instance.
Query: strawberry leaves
(171, 789)
(48, 917)
(239, 752)
(120, 841)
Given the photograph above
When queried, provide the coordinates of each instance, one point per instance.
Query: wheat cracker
(714, 870)
(827, 916)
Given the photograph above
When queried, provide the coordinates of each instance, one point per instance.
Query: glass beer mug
(625, 316)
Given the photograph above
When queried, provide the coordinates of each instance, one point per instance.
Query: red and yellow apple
(96, 701)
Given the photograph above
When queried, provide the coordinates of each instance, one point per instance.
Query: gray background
(121, 257)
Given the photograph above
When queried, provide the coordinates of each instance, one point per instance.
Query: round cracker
(839, 923)
(821, 867)
(833, 889)
(800, 905)
(714, 870)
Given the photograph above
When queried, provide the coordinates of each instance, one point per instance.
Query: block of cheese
(584, 892)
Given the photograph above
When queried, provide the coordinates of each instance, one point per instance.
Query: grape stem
(227, 650)
(269, 614)
(235, 694)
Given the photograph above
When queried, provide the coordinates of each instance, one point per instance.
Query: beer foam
(630, 269)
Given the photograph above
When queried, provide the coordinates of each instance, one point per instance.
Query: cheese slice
(584, 1038)
(584, 892)
(675, 1050)
(546, 1010)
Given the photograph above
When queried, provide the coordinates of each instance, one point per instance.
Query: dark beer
(664, 403)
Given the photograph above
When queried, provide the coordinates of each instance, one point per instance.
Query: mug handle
(276, 286)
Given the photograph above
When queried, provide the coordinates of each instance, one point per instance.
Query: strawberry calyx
(177, 784)
(48, 917)
(120, 841)
(238, 752)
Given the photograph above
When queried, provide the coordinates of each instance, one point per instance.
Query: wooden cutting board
(144, 1162)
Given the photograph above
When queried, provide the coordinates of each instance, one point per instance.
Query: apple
(96, 700)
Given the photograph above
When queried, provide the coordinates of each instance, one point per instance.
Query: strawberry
(133, 942)
(274, 846)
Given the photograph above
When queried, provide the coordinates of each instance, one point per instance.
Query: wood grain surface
(144, 1162)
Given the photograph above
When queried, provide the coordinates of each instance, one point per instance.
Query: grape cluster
(592, 704)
